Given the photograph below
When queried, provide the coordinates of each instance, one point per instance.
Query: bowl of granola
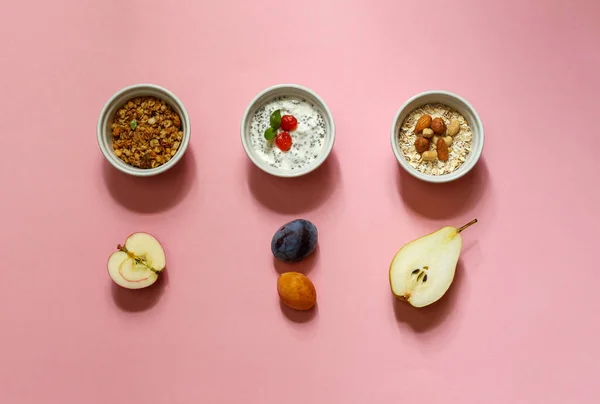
(437, 136)
(143, 130)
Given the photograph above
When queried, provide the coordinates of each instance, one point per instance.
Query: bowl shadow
(151, 194)
(305, 266)
(298, 316)
(294, 195)
(445, 200)
(136, 300)
(426, 318)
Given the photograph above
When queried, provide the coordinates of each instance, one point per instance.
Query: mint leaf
(276, 119)
(133, 124)
(270, 133)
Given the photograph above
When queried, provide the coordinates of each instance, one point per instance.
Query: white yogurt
(307, 140)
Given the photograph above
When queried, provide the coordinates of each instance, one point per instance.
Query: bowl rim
(437, 179)
(326, 150)
(168, 96)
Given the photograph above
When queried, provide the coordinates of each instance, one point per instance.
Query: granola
(146, 132)
(461, 143)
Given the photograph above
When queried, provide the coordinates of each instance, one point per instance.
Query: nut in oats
(423, 123)
(438, 126)
(428, 133)
(453, 128)
(422, 144)
(430, 155)
(442, 150)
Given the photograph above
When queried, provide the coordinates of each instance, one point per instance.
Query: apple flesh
(138, 263)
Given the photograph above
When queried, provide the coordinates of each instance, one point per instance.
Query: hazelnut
(438, 126)
(421, 144)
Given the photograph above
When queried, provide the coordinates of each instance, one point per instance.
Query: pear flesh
(138, 263)
(423, 270)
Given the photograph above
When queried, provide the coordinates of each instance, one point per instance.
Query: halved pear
(423, 270)
(138, 263)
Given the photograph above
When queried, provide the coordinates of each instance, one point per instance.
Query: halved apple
(138, 263)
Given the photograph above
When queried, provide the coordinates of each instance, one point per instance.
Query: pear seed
(415, 271)
(425, 278)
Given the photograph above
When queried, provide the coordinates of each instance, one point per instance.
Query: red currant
(289, 123)
(284, 141)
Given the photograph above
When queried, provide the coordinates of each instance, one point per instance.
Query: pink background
(520, 324)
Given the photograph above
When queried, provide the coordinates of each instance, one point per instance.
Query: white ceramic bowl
(453, 101)
(105, 121)
(289, 90)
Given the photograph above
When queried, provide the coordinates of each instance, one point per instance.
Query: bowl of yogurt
(311, 139)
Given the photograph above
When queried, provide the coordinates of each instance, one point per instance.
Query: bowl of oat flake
(143, 130)
(423, 123)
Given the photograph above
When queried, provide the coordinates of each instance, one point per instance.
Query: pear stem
(467, 225)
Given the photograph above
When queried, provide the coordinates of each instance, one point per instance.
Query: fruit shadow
(305, 266)
(136, 300)
(426, 318)
(446, 200)
(298, 316)
(294, 195)
(151, 194)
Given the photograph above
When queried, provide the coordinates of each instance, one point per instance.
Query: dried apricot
(296, 291)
